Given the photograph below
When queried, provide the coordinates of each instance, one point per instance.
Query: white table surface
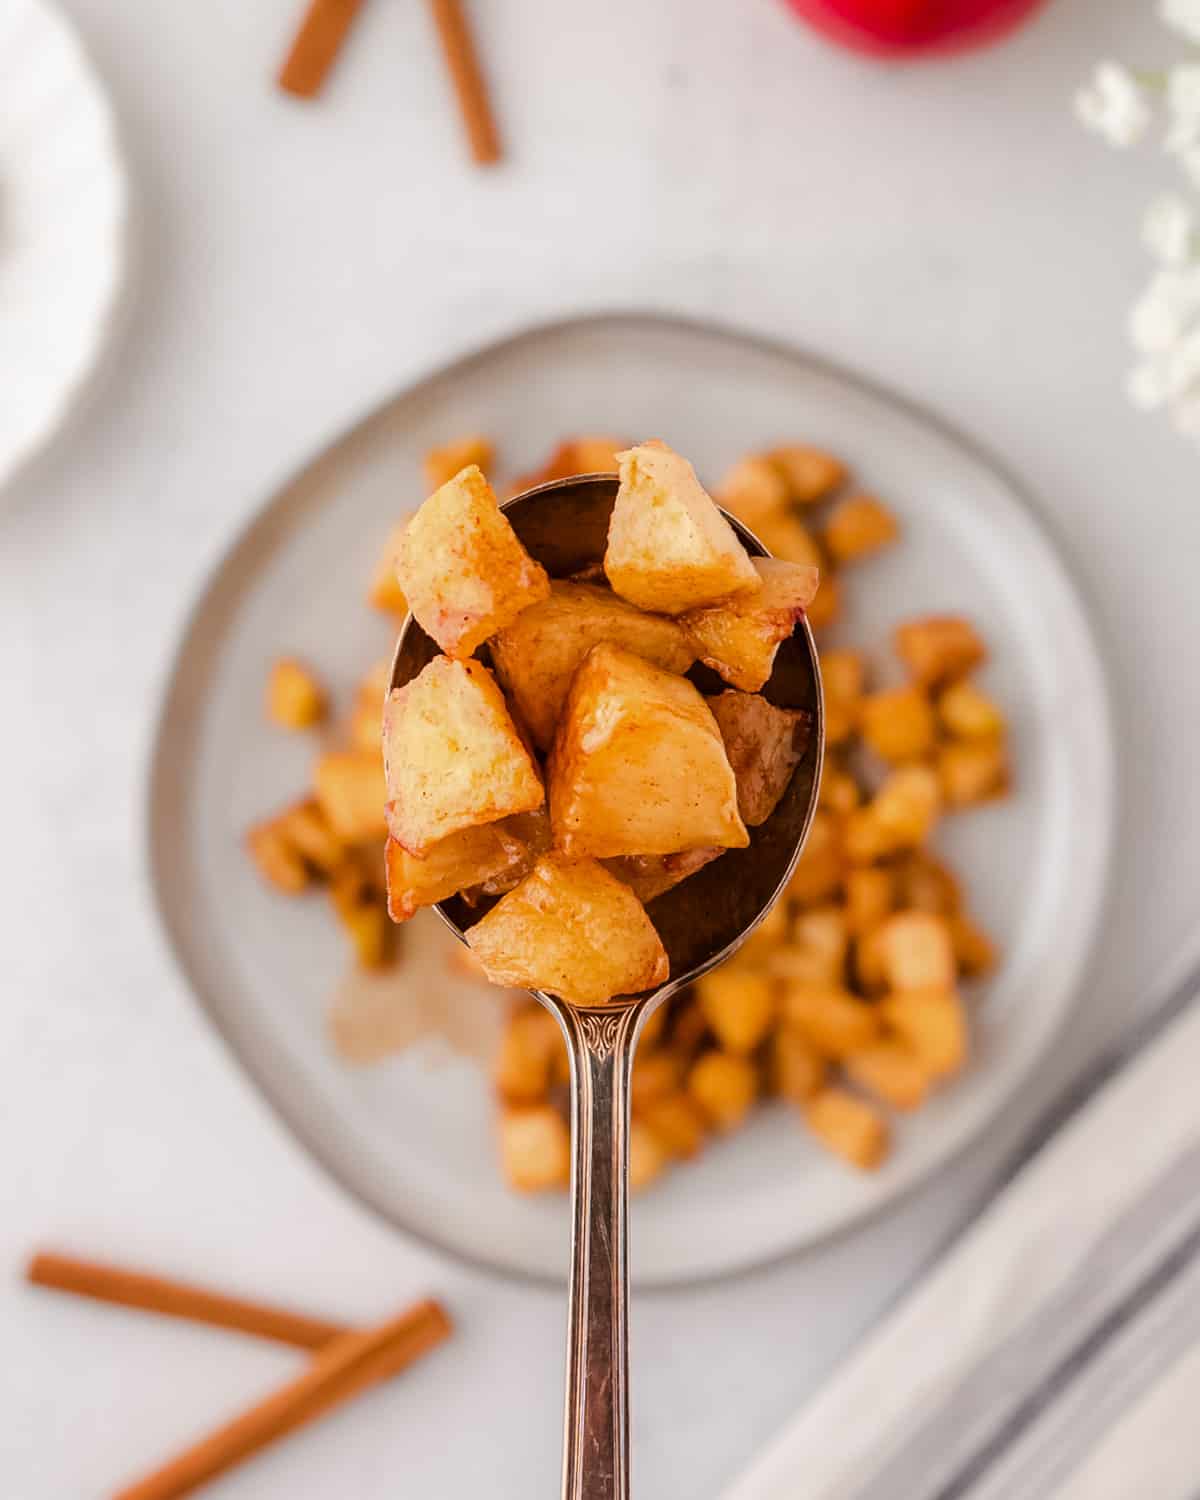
(946, 229)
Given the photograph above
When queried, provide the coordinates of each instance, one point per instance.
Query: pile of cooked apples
(577, 774)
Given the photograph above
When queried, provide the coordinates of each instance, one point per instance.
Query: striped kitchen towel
(1054, 1351)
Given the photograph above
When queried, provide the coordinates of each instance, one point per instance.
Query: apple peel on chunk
(453, 757)
(738, 637)
(764, 744)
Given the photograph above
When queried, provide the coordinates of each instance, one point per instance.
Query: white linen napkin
(1054, 1352)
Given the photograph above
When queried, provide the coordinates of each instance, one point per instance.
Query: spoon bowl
(701, 921)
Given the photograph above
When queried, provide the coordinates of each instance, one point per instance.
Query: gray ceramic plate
(410, 1135)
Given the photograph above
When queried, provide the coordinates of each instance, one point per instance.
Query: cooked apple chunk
(651, 875)
(574, 930)
(452, 755)
(739, 637)
(466, 858)
(669, 547)
(764, 745)
(638, 765)
(461, 567)
(536, 656)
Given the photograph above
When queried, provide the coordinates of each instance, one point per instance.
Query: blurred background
(941, 225)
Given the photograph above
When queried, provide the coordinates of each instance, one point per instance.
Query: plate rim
(259, 518)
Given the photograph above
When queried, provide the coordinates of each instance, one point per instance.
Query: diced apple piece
(537, 655)
(843, 677)
(350, 789)
(639, 766)
(933, 1022)
(810, 473)
(918, 951)
(384, 591)
(669, 547)
(466, 858)
(530, 834)
(463, 570)
(453, 756)
(740, 1006)
(754, 489)
(295, 698)
(858, 526)
(939, 648)
(724, 1086)
(535, 1148)
(968, 713)
(972, 771)
(849, 1127)
(738, 637)
(899, 724)
(651, 875)
(574, 930)
(830, 1018)
(764, 745)
(530, 1050)
(891, 1071)
(442, 464)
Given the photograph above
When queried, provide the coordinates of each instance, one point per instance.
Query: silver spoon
(564, 525)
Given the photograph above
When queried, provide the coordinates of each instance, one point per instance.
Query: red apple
(897, 28)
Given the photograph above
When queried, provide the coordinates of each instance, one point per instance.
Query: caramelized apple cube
(892, 1071)
(809, 473)
(858, 526)
(384, 591)
(754, 489)
(537, 655)
(939, 648)
(739, 636)
(849, 1127)
(724, 1086)
(669, 547)
(442, 464)
(639, 766)
(764, 745)
(466, 858)
(535, 1148)
(574, 930)
(918, 951)
(899, 724)
(933, 1023)
(651, 875)
(350, 790)
(295, 698)
(453, 756)
(463, 570)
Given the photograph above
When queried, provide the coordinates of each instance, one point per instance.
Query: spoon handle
(596, 1426)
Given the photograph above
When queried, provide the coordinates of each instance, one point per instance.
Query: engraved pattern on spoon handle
(596, 1422)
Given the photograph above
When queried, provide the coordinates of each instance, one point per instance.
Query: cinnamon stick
(339, 1371)
(177, 1299)
(314, 51)
(462, 61)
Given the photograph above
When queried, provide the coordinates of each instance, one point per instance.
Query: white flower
(1183, 106)
(1183, 16)
(1163, 313)
(1168, 230)
(1113, 105)
(1146, 387)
